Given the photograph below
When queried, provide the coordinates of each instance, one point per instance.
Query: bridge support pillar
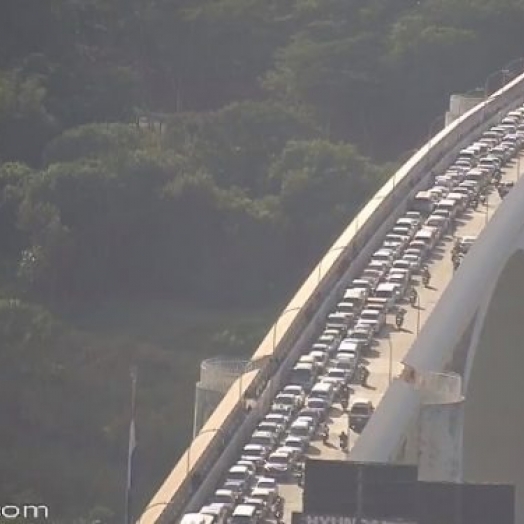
(440, 428)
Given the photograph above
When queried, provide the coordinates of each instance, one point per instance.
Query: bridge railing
(244, 404)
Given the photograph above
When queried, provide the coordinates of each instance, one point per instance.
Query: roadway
(385, 360)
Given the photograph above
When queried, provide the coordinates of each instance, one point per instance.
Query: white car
(374, 318)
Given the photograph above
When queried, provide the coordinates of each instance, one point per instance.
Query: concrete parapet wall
(229, 425)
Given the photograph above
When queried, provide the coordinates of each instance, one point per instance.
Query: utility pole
(131, 448)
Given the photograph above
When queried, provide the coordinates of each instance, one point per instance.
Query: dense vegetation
(270, 124)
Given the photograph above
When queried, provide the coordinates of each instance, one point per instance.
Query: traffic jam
(322, 377)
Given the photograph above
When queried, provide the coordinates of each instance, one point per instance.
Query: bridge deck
(393, 345)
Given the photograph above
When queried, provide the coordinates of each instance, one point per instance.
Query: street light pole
(431, 128)
(216, 430)
(390, 369)
(486, 208)
(289, 310)
(418, 313)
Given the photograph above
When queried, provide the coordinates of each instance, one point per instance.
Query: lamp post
(516, 66)
(504, 72)
(418, 313)
(240, 377)
(486, 209)
(431, 128)
(390, 367)
(210, 430)
(275, 325)
(151, 506)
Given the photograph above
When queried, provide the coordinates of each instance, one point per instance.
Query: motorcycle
(425, 278)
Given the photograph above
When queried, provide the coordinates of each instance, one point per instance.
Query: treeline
(273, 120)
(221, 208)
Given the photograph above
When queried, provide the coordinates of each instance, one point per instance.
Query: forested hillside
(121, 242)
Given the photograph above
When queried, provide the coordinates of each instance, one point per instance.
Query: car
(466, 242)
(414, 261)
(303, 428)
(349, 348)
(401, 239)
(240, 474)
(298, 391)
(316, 407)
(238, 488)
(404, 272)
(262, 511)
(420, 246)
(219, 512)
(269, 497)
(303, 375)
(336, 376)
(254, 453)
(404, 231)
(362, 334)
(278, 418)
(348, 364)
(347, 308)
(272, 427)
(323, 391)
(340, 321)
(439, 222)
(248, 464)
(360, 412)
(394, 246)
(282, 462)
(245, 514)
(225, 497)
(389, 294)
(264, 438)
(321, 359)
(268, 483)
(361, 283)
(330, 337)
(443, 213)
(298, 443)
(386, 256)
(372, 276)
(197, 518)
(402, 263)
(377, 265)
(287, 399)
(282, 409)
(416, 216)
(375, 319)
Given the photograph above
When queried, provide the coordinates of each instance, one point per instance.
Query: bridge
(444, 386)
